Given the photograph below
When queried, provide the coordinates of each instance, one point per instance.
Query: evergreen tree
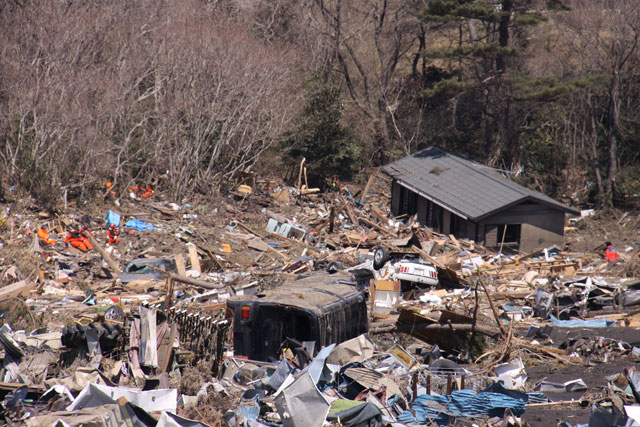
(327, 145)
(485, 41)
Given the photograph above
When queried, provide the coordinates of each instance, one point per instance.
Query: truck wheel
(380, 257)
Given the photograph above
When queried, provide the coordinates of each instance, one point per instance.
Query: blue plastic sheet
(136, 224)
(112, 218)
(467, 404)
(577, 323)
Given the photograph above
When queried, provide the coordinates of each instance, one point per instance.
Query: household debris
(285, 305)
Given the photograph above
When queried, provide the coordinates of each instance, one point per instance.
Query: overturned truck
(323, 309)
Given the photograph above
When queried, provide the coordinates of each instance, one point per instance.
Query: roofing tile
(461, 185)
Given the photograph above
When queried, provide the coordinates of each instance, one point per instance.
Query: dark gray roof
(470, 189)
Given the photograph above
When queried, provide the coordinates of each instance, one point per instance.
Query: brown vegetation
(183, 94)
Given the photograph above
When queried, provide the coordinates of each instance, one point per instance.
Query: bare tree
(368, 41)
(137, 91)
(603, 36)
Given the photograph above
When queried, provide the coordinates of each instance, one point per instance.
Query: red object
(611, 253)
(246, 312)
(44, 236)
(140, 191)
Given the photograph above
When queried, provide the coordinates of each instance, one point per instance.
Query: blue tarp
(467, 404)
(136, 224)
(112, 218)
(577, 323)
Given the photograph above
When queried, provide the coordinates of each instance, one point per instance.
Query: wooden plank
(246, 228)
(377, 213)
(300, 173)
(367, 187)
(194, 258)
(180, 266)
(354, 219)
(114, 265)
(15, 289)
(376, 226)
(166, 349)
(258, 244)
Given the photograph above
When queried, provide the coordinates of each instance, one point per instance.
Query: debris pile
(282, 305)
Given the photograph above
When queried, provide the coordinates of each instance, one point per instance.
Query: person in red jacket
(611, 254)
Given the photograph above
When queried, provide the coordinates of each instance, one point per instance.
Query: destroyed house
(454, 195)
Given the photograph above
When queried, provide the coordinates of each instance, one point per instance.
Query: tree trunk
(612, 136)
(503, 31)
(381, 152)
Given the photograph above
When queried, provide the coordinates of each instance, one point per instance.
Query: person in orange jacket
(76, 239)
(43, 234)
(113, 234)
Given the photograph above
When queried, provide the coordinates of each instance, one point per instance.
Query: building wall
(423, 206)
(396, 194)
(541, 226)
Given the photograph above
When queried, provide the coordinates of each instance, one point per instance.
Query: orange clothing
(140, 191)
(77, 240)
(114, 236)
(44, 236)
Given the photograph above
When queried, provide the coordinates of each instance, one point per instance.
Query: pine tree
(327, 145)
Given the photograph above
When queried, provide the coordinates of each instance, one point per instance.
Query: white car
(408, 271)
(417, 271)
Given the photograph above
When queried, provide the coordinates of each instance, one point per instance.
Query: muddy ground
(594, 375)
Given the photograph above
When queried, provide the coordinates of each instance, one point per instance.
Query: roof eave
(565, 209)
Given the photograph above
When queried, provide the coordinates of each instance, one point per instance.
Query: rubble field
(353, 317)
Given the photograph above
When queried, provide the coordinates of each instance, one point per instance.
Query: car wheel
(380, 257)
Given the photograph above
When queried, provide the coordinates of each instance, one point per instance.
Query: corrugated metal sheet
(472, 190)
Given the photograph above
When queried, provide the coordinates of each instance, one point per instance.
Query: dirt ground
(593, 374)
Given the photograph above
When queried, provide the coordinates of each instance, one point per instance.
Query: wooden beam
(367, 188)
(15, 289)
(114, 265)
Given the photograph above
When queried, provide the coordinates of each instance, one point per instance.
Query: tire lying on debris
(380, 257)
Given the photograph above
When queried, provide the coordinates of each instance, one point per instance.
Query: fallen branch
(114, 265)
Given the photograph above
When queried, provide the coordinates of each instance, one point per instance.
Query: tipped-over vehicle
(322, 308)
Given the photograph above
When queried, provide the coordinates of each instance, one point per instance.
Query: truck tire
(380, 257)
